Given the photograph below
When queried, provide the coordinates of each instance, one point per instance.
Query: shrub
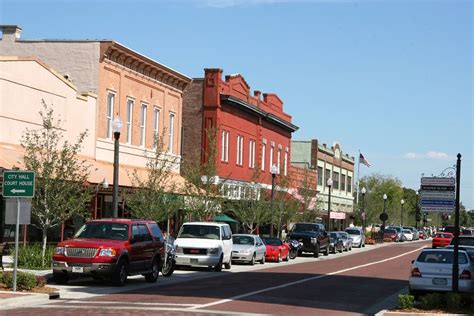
(29, 256)
(406, 301)
(432, 301)
(40, 281)
(24, 280)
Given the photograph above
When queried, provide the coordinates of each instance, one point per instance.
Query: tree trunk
(45, 239)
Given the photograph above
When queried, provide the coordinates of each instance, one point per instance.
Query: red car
(442, 239)
(390, 235)
(276, 250)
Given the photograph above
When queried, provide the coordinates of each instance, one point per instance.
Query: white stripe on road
(237, 297)
(129, 303)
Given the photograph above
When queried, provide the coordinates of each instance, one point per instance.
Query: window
(343, 182)
(336, 180)
(264, 149)
(129, 120)
(285, 163)
(279, 161)
(144, 233)
(171, 135)
(225, 146)
(142, 125)
(155, 231)
(349, 184)
(156, 126)
(240, 150)
(252, 154)
(320, 175)
(110, 113)
(272, 147)
(327, 176)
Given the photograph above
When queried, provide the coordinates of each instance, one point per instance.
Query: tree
(60, 193)
(154, 196)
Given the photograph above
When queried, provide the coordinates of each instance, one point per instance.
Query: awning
(224, 218)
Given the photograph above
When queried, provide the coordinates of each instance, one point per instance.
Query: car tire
(363, 245)
(287, 258)
(434, 247)
(279, 257)
(152, 277)
(228, 265)
(218, 266)
(334, 250)
(316, 251)
(326, 252)
(263, 259)
(252, 261)
(60, 278)
(120, 275)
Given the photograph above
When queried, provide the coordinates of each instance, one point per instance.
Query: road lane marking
(128, 303)
(237, 297)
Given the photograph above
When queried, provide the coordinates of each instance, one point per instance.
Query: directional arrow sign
(18, 184)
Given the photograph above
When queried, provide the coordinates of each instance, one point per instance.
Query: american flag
(364, 161)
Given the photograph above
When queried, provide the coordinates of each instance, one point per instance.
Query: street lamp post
(363, 191)
(417, 211)
(401, 212)
(384, 211)
(116, 127)
(329, 184)
(273, 171)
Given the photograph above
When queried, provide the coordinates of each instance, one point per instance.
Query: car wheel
(334, 250)
(60, 278)
(316, 251)
(228, 265)
(120, 275)
(218, 266)
(341, 250)
(279, 257)
(434, 247)
(263, 259)
(155, 270)
(252, 261)
(287, 257)
(363, 245)
(326, 252)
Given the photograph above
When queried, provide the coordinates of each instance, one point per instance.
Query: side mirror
(413, 261)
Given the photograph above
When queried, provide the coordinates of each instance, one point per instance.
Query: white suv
(204, 244)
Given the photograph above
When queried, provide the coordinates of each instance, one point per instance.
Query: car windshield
(199, 231)
(441, 235)
(103, 230)
(243, 240)
(398, 229)
(305, 228)
(272, 241)
(343, 235)
(353, 231)
(390, 231)
(465, 241)
(333, 235)
(433, 256)
(407, 231)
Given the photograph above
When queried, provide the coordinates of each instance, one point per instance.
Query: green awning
(224, 218)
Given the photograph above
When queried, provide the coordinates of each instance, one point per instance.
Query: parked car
(335, 242)
(248, 248)
(111, 249)
(276, 249)
(422, 234)
(441, 239)
(391, 234)
(399, 229)
(313, 236)
(465, 243)
(347, 240)
(357, 235)
(432, 272)
(414, 231)
(204, 244)
(408, 234)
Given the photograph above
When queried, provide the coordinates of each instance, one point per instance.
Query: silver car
(346, 240)
(248, 248)
(357, 235)
(432, 272)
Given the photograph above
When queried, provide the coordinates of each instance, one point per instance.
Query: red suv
(111, 249)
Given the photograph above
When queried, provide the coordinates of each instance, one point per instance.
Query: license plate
(440, 281)
(78, 269)
(194, 261)
(194, 251)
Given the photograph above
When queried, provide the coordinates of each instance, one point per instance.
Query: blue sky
(390, 78)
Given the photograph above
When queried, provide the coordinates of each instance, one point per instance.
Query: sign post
(18, 184)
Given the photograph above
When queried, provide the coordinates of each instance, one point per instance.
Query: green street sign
(18, 184)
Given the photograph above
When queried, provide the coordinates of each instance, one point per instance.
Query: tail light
(465, 275)
(415, 272)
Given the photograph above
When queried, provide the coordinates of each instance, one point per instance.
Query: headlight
(212, 251)
(246, 251)
(107, 252)
(179, 249)
(314, 240)
(59, 251)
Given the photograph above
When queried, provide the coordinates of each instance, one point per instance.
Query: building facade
(329, 162)
(252, 132)
(146, 96)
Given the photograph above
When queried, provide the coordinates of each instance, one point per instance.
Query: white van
(204, 244)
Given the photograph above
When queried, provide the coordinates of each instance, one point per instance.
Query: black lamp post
(401, 212)
(384, 212)
(116, 127)
(273, 171)
(417, 211)
(363, 191)
(329, 184)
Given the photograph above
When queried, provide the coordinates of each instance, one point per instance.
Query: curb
(23, 300)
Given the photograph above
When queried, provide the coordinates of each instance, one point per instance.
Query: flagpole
(358, 172)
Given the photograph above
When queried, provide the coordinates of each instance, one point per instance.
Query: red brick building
(253, 131)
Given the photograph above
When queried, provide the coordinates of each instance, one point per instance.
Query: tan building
(146, 95)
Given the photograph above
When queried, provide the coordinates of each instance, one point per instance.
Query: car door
(147, 246)
(226, 235)
(136, 257)
(260, 248)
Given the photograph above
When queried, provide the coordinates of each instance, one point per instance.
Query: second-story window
(336, 180)
(171, 134)
(320, 175)
(264, 149)
(327, 175)
(279, 160)
(272, 148)
(349, 184)
(252, 154)
(110, 113)
(343, 182)
(285, 163)
(156, 126)
(129, 120)
(240, 150)
(143, 125)
(224, 146)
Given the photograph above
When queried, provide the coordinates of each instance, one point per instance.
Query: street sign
(437, 194)
(18, 184)
(438, 181)
(11, 207)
